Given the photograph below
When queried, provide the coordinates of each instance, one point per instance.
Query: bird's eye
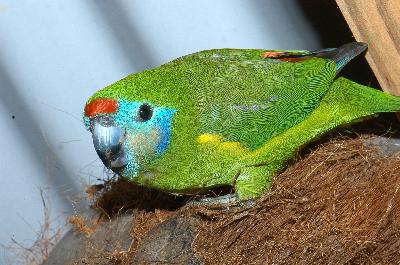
(145, 112)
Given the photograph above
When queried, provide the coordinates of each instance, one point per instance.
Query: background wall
(55, 54)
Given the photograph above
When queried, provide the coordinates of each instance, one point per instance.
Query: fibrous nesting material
(338, 205)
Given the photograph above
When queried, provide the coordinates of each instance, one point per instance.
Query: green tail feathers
(345, 102)
(355, 99)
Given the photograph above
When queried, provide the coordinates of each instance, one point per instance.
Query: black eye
(145, 112)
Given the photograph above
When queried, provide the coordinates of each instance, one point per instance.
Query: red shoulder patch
(272, 54)
(293, 59)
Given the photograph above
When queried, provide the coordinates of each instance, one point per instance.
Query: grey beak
(108, 141)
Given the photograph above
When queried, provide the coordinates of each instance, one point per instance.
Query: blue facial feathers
(144, 118)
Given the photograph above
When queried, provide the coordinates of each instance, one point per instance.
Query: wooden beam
(377, 22)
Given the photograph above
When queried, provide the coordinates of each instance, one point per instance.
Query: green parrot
(225, 117)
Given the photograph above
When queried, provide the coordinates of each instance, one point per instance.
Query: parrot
(226, 117)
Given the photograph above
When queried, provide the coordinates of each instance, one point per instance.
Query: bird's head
(128, 134)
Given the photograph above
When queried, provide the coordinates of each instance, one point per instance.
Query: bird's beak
(109, 141)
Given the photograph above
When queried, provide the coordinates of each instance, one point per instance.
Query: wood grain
(377, 22)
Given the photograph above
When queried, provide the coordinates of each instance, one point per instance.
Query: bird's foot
(227, 202)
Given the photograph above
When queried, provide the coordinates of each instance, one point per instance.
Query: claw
(222, 202)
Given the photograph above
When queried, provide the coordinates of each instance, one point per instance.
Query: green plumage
(241, 115)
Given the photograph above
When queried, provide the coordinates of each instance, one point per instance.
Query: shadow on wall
(125, 33)
(296, 33)
(30, 131)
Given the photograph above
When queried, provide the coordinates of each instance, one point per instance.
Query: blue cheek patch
(163, 120)
(126, 115)
(131, 169)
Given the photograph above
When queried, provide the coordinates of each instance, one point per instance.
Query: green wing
(250, 96)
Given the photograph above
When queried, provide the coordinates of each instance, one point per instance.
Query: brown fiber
(338, 205)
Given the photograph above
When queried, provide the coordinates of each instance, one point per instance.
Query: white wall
(55, 54)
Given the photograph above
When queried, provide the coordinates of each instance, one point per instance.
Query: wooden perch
(377, 22)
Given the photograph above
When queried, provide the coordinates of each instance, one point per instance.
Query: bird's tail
(357, 100)
(343, 54)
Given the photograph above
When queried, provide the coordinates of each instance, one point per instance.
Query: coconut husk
(338, 205)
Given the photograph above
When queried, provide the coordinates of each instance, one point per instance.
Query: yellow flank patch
(219, 143)
(208, 138)
(231, 145)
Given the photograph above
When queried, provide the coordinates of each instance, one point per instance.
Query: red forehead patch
(101, 106)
